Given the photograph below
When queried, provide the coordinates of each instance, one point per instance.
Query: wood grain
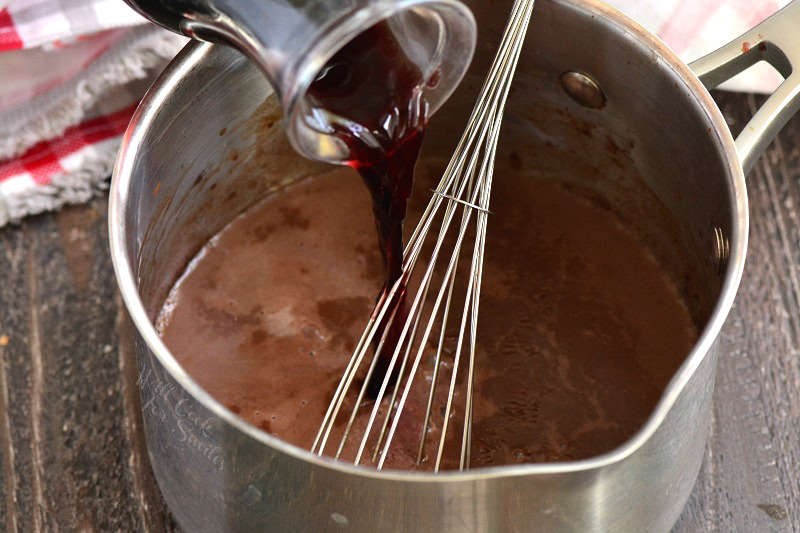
(73, 426)
(15, 371)
(750, 480)
(72, 450)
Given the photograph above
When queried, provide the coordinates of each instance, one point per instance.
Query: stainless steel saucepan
(598, 101)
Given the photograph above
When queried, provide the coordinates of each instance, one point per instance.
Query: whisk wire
(414, 309)
(466, 184)
(481, 242)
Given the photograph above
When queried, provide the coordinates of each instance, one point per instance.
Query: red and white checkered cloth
(71, 74)
(32, 23)
(72, 71)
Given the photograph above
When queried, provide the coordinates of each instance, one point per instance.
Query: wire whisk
(462, 194)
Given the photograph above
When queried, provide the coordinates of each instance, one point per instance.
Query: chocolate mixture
(580, 329)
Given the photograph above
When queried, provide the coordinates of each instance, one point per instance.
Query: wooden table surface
(71, 445)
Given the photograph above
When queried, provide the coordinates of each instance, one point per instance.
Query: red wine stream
(373, 91)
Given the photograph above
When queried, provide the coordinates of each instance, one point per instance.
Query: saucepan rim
(193, 55)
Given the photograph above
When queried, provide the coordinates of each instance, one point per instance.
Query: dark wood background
(71, 444)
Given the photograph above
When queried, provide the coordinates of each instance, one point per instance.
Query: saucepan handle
(776, 41)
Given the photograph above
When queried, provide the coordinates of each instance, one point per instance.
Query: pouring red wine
(371, 95)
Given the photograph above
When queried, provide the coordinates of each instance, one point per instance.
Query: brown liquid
(580, 329)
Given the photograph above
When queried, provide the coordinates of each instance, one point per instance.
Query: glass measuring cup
(293, 40)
